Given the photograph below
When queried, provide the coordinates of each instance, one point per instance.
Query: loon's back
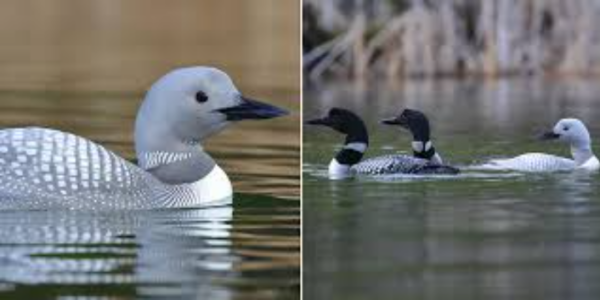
(400, 164)
(533, 162)
(44, 168)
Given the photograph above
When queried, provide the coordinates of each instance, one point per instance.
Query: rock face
(453, 37)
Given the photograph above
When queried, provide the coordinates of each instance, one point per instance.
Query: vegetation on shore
(429, 38)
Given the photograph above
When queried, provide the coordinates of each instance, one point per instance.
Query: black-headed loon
(571, 131)
(348, 160)
(44, 168)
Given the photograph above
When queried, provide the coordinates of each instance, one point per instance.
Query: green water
(475, 236)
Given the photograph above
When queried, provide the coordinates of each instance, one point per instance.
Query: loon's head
(180, 110)
(569, 130)
(345, 122)
(418, 124)
(188, 105)
(414, 121)
(357, 140)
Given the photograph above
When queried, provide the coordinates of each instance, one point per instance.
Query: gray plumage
(44, 168)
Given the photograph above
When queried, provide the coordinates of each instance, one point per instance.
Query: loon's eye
(201, 97)
(566, 128)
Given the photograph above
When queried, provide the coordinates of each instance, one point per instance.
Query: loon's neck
(354, 148)
(176, 162)
(421, 144)
(581, 154)
(424, 149)
(191, 178)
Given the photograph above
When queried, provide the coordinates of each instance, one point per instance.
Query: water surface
(475, 236)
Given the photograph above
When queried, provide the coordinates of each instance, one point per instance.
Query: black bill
(249, 109)
(549, 136)
(401, 120)
(320, 121)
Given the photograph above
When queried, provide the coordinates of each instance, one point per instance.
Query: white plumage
(532, 162)
(570, 131)
(44, 168)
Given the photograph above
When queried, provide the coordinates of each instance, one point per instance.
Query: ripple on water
(201, 252)
(320, 171)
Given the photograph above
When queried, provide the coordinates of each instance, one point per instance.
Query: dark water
(476, 236)
(83, 67)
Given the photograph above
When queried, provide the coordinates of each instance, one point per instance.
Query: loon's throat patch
(348, 157)
(151, 160)
(423, 149)
(356, 146)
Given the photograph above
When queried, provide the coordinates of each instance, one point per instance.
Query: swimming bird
(44, 168)
(347, 161)
(418, 124)
(570, 131)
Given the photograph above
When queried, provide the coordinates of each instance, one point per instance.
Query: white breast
(591, 164)
(337, 170)
(212, 189)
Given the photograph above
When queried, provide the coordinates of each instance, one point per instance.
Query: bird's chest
(211, 189)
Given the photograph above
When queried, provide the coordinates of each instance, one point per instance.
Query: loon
(417, 123)
(571, 131)
(44, 168)
(348, 160)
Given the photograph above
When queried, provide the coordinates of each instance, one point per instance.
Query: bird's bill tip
(394, 121)
(318, 121)
(391, 121)
(250, 109)
(550, 135)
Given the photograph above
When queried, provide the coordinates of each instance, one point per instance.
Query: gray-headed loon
(44, 168)
(571, 131)
(348, 160)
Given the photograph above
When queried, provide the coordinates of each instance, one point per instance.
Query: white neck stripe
(419, 147)
(151, 160)
(357, 146)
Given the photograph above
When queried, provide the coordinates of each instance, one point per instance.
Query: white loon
(44, 168)
(348, 160)
(571, 131)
